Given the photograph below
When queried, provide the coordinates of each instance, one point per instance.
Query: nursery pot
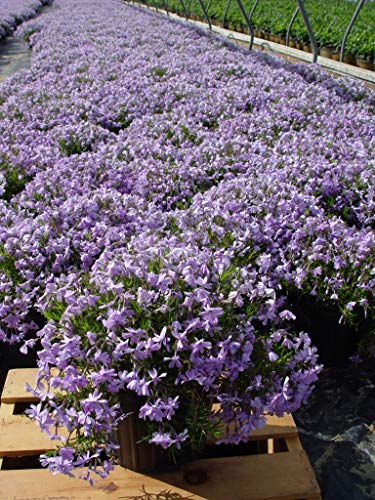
(133, 453)
(324, 52)
(364, 64)
(348, 59)
(335, 341)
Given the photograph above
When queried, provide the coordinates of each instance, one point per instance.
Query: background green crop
(329, 19)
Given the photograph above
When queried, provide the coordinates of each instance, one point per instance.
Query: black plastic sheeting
(337, 430)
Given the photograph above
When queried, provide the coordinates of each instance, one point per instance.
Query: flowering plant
(14, 12)
(179, 325)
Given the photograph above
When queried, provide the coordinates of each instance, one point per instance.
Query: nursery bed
(225, 188)
(279, 468)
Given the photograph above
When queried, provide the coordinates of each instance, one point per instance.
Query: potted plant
(335, 55)
(351, 49)
(325, 43)
(365, 55)
(280, 32)
(156, 333)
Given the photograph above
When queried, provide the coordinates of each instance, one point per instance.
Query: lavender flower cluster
(15, 12)
(160, 194)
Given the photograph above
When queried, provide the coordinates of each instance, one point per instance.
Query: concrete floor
(15, 55)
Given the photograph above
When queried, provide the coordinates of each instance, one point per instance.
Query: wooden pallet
(279, 470)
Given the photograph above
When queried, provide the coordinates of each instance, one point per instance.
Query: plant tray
(278, 468)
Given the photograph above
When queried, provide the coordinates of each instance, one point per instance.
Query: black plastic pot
(335, 341)
(11, 357)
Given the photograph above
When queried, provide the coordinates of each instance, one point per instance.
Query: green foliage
(8, 266)
(329, 19)
(73, 145)
(29, 32)
(160, 71)
(15, 179)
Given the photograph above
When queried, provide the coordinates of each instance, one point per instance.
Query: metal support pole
(166, 6)
(189, 6)
(225, 13)
(249, 25)
(349, 28)
(155, 4)
(290, 25)
(185, 11)
(253, 9)
(205, 14)
(310, 31)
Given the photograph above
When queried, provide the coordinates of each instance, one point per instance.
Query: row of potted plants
(15, 12)
(271, 20)
(168, 207)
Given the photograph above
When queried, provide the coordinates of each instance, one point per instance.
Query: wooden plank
(293, 443)
(270, 446)
(125, 484)
(6, 409)
(20, 436)
(280, 476)
(275, 428)
(14, 392)
(14, 389)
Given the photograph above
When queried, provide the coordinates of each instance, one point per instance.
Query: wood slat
(293, 443)
(14, 392)
(14, 388)
(6, 409)
(20, 436)
(125, 484)
(279, 476)
(275, 428)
